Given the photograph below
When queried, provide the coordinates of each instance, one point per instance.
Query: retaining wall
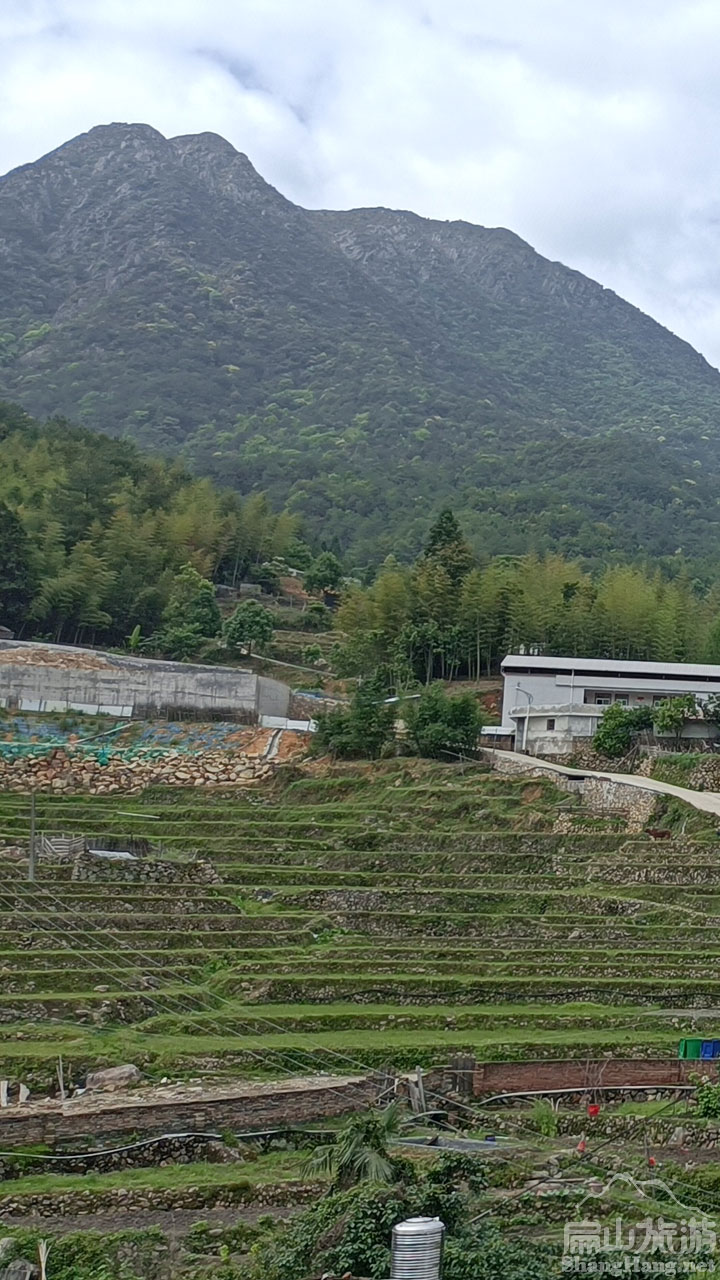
(568, 1073)
(243, 1111)
(49, 678)
(67, 770)
(70, 1204)
(602, 796)
(88, 867)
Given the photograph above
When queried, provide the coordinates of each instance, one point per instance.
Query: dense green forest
(100, 543)
(362, 368)
(93, 534)
(448, 616)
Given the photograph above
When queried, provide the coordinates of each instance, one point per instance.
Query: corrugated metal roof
(513, 661)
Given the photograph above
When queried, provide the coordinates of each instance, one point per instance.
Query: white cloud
(590, 129)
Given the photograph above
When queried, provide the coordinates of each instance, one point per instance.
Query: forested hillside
(366, 367)
(99, 541)
(446, 616)
(93, 534)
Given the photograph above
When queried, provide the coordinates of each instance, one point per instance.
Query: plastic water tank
(417, 1246)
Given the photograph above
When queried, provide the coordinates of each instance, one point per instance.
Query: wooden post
(61, 1079)
(420, 1090)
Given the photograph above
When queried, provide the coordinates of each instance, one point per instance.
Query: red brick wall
(512, 1077)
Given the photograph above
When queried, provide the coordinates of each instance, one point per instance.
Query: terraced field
(389, 914)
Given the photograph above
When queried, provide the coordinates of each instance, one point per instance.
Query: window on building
(550, 725)
(622, 698)
(602, 699)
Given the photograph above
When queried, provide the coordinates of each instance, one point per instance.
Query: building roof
(606, 666)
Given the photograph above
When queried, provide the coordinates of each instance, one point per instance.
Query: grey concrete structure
(36, 677)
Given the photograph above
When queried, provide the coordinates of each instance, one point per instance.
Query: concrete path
(707, 801)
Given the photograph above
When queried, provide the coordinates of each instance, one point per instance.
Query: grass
(656, 1107)
(403, 908)
(353, 1046)
(274, 1167)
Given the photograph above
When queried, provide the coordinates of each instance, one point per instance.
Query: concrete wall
(273, 697)
(60, 678)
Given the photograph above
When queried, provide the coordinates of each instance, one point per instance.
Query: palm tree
(360, 1152)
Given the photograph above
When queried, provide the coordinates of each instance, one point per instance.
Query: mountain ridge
(368, 365)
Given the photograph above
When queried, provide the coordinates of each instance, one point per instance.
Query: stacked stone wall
(67, 772)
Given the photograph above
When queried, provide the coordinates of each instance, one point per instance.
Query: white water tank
(417, 1246)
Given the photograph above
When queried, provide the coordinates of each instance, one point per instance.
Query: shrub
(181, 643)
(708, 1101)
(360, 731)
(192, 603)
(440, 725)
(619, 727)
(317, 617)
(672, 714)
(324, 574)
(312, 653)
(454, 1167)
(543, 1117)
(251, 625)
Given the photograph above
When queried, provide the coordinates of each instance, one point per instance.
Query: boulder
(113, 1078)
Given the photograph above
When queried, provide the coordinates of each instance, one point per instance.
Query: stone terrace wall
(86, 867)
(69, 1204)
(602, 796)
(65, 771)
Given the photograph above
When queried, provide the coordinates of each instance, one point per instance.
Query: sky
(589, 127)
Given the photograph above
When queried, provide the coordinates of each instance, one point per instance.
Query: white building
(551, 701)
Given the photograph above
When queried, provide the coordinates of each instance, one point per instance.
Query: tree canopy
(443, 618)
(97, 538)
(250, 626)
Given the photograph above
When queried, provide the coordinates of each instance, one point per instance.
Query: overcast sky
(590, 127)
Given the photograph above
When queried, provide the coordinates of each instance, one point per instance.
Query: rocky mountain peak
(368, 365)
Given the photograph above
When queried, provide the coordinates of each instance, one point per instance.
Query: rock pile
(706, 775)
(61, 658)
(89, 867)
(65, 771)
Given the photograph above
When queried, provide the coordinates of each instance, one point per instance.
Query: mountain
(365, 366)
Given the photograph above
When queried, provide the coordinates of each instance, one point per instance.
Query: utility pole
(32, 859)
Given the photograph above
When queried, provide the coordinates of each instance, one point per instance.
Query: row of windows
(604, 699)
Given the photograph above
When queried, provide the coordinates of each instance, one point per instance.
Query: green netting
(103, 754)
